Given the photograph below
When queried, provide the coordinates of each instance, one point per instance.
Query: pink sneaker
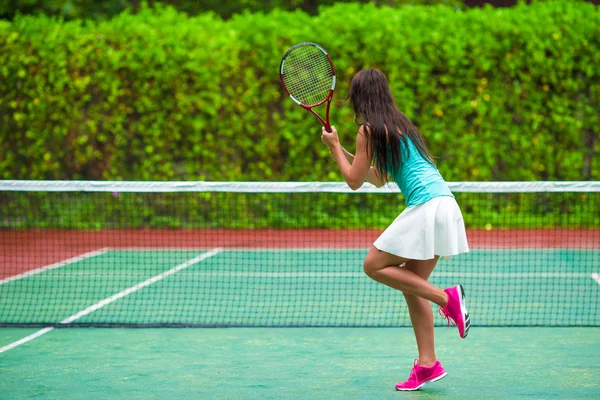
(455, 310)
(419, 376)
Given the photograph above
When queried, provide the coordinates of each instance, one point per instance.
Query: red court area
(21, 251)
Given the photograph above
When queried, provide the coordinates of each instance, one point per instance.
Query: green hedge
(96, 211)
(500, 94)
(94, 9)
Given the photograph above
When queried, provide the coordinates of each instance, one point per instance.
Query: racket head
(307, 74)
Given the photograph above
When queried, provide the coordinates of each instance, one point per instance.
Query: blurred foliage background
(95, 9)
(167, 92)
(69, 9)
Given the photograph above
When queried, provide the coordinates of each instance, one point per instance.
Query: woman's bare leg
(385, 268)
(418, 292)
(421, 315)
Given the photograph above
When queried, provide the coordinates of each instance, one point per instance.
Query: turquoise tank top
(418, 179)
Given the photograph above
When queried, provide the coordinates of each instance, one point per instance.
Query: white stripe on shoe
(463, 310)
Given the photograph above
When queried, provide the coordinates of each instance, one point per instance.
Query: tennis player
(431, 226)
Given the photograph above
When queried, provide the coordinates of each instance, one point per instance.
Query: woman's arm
(355, 169)
(372, 177)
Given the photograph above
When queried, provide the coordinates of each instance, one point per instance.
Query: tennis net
(207, 254)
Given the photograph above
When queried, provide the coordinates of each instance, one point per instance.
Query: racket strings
(308, 75)
(311, 77)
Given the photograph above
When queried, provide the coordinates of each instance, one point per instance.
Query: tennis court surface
(242, 261)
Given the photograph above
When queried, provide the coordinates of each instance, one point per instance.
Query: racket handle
(327, 124)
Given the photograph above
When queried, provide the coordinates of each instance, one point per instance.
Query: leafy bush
(95, 211)
(93, 9)
(500, 94)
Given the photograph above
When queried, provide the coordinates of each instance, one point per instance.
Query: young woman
(431, 226)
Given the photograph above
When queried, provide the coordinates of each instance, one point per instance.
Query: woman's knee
(370, 265)
(376, 260)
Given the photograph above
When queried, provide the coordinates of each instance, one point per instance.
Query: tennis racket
(308, 77)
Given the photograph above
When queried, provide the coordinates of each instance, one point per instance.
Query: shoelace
(413, 372)
(442, 312)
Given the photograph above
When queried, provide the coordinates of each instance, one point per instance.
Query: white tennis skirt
(434, 228)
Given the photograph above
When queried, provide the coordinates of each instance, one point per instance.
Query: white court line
(596, 277)
(25, 339)
(243, 249)
(234, 248)
(512, 274)
(55, 265)
(115, 297)
(308, 274)
(225, 274)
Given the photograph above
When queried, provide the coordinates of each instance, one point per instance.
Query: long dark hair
(384, 125)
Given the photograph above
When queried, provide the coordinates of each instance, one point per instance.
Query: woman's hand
(330, 139)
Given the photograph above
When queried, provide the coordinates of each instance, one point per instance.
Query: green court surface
(264, 290)
(505, 287)
(297, 363)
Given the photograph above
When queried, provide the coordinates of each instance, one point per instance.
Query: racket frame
(309, 107)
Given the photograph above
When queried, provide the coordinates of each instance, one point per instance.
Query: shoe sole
(424, 383)
(464, 312)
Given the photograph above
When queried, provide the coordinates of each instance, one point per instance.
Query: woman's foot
(419, 376)
(455, 310)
